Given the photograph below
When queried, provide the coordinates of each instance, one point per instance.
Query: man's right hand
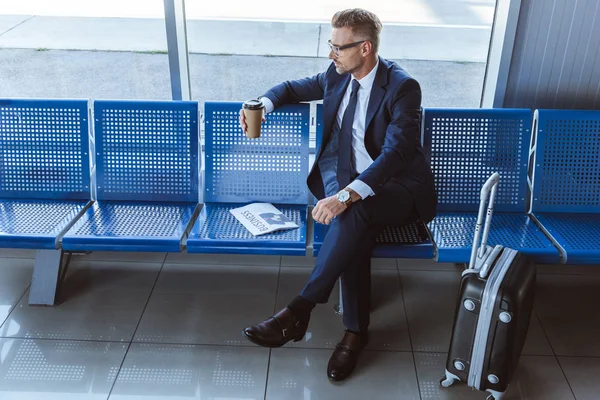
(243, 124)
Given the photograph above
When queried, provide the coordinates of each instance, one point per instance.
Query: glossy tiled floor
(168, 326)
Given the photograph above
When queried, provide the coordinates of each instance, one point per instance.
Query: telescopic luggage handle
(491, 185)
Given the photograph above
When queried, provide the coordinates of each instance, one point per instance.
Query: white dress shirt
(362, 159)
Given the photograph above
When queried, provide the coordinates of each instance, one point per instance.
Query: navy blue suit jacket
(392, 136)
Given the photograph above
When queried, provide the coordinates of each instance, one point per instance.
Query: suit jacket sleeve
(401, 137)
(307, 89)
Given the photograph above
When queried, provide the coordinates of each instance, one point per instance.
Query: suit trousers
(347, 247)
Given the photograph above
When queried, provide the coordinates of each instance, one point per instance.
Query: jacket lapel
(377, 92)
(330, 108)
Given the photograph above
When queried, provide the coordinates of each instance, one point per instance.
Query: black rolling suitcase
(492, 315)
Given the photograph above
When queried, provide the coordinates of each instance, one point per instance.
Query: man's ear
(367, 48)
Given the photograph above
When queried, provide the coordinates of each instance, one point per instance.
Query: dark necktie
(345, 168)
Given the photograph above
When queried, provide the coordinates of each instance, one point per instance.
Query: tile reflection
(58, 369)
(188, 371)
(15, 276)
(300, 374)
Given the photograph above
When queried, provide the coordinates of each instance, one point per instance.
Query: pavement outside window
(117, 49)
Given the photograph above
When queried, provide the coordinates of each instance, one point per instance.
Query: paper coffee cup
(253, 111)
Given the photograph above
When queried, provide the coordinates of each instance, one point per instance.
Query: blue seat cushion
(218, 231)
(453, 236)
(403, 241)
(578, 234)
(36, 224)
(130, 226)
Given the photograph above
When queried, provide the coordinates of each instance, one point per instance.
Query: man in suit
(369, 172)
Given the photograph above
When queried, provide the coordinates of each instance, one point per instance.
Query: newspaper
(261, 218)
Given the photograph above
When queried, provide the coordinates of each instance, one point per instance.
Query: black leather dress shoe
(277, 330)
(344, 357)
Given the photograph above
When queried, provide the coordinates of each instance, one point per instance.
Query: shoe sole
(269, 346)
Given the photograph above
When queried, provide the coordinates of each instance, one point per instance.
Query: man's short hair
(364, 24)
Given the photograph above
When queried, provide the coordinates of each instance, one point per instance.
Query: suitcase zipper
(490, 294)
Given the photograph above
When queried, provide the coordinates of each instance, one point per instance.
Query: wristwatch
(343, 196)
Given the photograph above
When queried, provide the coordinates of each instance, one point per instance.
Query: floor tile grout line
(523, 355)
(584, 357)
(277, 289)
(136, 328)
(554, 352)
(568, 274)
(149, 297)
(252, 346)
(405, 312)
(535, 314)
(412, 352)
(368, 350)
(228, 346)
(13, 308)
(267, 375)
(274, 307)
(565, 375)
(65, 340)
(18, 25)
(118, 371)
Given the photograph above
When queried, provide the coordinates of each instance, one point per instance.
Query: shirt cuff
(267, 103)
(361, 188)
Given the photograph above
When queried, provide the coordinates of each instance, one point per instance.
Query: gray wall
(556, 57)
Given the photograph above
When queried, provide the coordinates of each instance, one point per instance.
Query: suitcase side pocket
(510, 324)
(466, 317)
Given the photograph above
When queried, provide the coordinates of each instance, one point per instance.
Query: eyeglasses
(336, 49)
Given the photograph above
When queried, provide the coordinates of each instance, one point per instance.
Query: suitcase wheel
(495, 395)
(446, 382)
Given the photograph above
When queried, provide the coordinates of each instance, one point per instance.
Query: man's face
(348, 60)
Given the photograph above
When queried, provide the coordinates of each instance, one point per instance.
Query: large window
(238, 49)
(84, 48)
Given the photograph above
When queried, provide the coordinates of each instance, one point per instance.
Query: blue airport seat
(466, 147)
(219, 232)
(566, 182)
(407, 241)
(453, 235)
(147, 178)
(270, 169)
(135, 226)
(44, 170)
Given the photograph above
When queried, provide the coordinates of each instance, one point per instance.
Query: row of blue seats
(128, 180)
(548, 202)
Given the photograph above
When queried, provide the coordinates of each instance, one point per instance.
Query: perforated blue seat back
(147, 150)
(567, 164)
(44, 149)
(468, 145)
(272, 168)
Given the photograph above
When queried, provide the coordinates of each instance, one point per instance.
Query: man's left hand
(327, 209)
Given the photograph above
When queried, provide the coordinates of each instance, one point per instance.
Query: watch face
(343, 196)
